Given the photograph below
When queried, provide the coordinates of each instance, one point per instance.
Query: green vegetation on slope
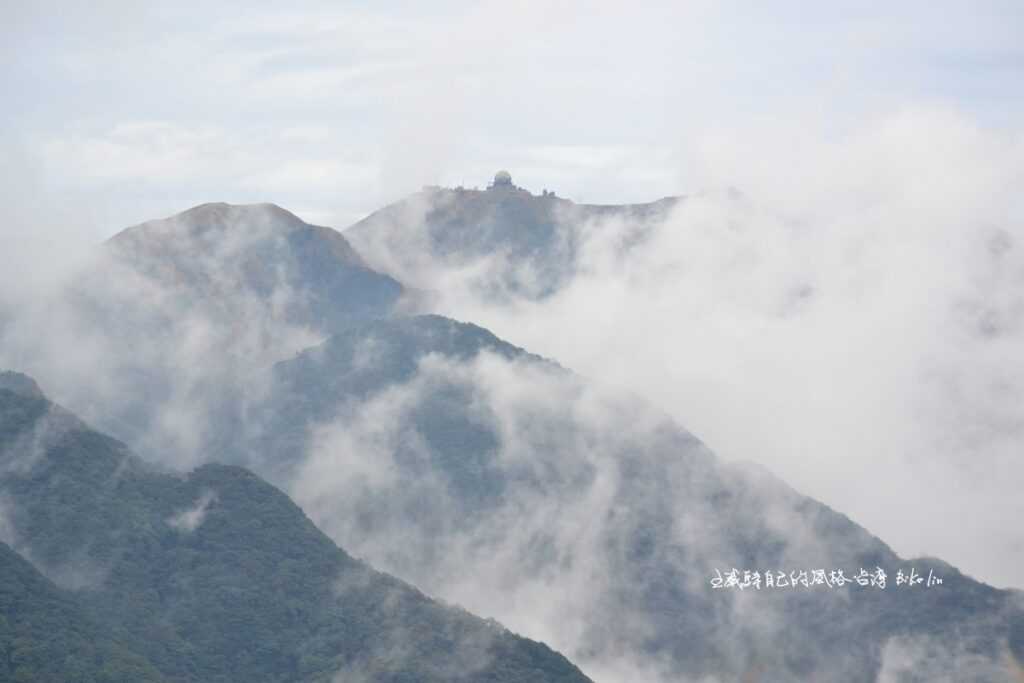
(46, 636)
(218, 576)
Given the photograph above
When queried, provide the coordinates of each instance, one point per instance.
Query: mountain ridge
(513, 243)
(219, 576)
(472, 468)
(434, 433)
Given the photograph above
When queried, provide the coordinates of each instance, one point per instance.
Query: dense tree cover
(46, 636)
(217, 576)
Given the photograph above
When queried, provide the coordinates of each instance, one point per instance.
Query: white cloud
(569, 97)
(851, 320)
(191, 518)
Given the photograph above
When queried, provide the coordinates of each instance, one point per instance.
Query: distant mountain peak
(221, 252)
(518, 244)
(216, 217)
(224, 209)
(20, 384)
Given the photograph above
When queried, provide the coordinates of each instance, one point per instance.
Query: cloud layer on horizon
(126, 114)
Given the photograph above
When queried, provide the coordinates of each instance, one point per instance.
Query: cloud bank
(852, 319)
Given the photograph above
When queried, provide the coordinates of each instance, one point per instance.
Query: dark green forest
(213, 576)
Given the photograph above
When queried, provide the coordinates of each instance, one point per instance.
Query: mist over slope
(224, 256)
(852, 317)
(502, 243)
(176, 313)
(747, 303)
(574, 512)
(584, 516)
(212, 575)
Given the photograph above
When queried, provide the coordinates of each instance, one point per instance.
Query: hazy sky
(115, 114)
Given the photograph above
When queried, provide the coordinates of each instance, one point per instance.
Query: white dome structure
(502, 179)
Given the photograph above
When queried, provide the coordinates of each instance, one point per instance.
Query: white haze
(548, 560)
(854, 322)
(190, 519)
(126, 112)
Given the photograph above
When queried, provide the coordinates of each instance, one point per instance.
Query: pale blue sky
(116, 113)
